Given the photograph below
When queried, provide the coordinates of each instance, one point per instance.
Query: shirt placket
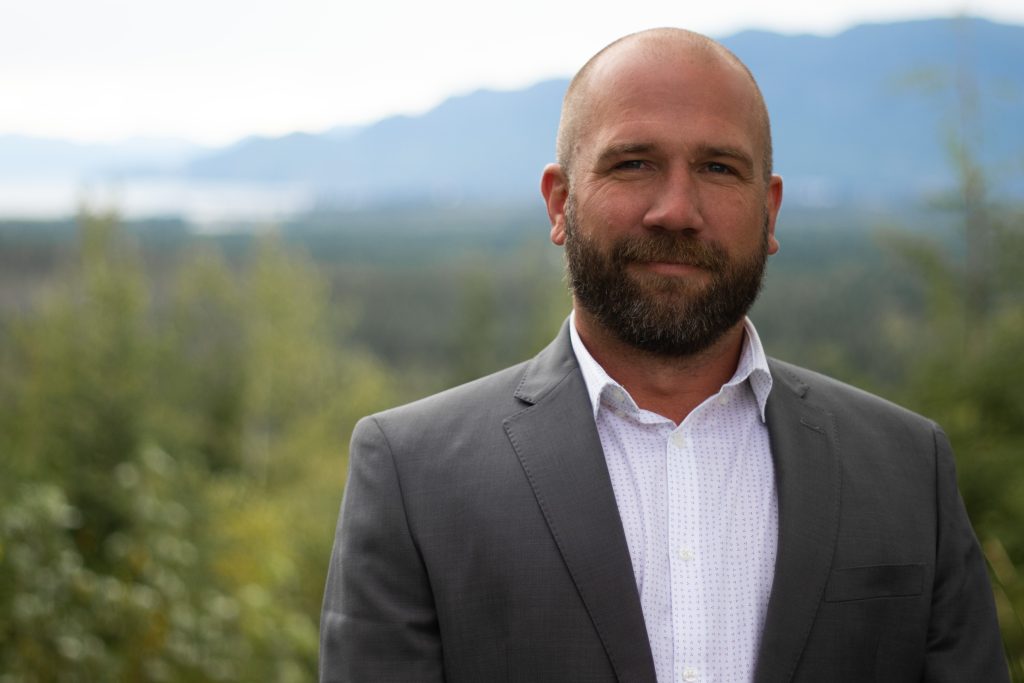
(689, 604)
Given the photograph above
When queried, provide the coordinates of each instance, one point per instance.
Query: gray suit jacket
(479, 542)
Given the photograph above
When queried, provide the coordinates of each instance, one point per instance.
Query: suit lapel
(559, 449)
(805, 451)
(557, 444)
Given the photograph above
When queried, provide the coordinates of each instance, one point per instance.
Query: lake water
(199, 202)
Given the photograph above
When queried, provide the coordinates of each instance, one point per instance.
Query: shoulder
(475, 412)
(478, 404)
(479, 395)
(844, 401)
(456, 439)
(875, 439)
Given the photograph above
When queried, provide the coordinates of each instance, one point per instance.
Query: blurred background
(228, 230)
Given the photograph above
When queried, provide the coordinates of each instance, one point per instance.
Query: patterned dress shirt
(700, 513)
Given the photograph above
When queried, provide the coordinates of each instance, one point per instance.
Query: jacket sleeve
(378, 622)
(964, 643)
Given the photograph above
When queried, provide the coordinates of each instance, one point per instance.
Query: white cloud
(216, 70)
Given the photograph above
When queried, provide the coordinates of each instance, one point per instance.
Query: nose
(675, 204)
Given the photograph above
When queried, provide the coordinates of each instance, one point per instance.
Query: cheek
(730, 201)
(613, 209)
(735, 216)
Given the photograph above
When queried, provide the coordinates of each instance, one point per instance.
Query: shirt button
(685, 554)
(723, 400)
(678, 440)
(690, 675)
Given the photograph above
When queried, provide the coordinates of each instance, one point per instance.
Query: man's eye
(715, 167)
(630, 165)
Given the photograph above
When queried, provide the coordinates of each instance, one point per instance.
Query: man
(651, 498)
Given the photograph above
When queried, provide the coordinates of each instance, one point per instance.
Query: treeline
(175, 410)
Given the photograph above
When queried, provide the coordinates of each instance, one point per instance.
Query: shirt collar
(752, 366)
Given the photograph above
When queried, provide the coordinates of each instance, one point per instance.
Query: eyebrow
(727, 152)
(624, 149)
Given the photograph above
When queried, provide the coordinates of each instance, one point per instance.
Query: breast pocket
(878, 581)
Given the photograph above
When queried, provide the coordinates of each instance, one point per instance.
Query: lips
(670, 269)
(669, 251)
(671, 262)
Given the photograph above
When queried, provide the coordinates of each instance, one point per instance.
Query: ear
(773, 202)
(554, 187)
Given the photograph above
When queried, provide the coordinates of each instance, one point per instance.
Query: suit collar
(547, 369)
(557, 444)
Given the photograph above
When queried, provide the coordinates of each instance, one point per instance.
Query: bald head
(663, 45)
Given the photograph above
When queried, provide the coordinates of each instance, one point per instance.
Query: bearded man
(652, 498)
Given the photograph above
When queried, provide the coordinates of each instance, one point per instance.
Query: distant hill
(863, 117)
(869, 113)
(486, 144)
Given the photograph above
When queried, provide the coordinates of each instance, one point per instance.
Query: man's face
(667, 219)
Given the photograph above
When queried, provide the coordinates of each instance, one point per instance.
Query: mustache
(670, 248)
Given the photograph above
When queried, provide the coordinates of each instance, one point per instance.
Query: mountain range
(865, 116)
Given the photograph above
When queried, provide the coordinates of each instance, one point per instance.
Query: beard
(659, 314)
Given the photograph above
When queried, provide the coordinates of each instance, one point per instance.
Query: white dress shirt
(700, 512)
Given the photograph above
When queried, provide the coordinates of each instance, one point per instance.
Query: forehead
(669, 95)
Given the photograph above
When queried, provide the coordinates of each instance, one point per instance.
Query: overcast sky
(213, 71)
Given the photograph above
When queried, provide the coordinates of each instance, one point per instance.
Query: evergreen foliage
(172, 467)
(965, 371)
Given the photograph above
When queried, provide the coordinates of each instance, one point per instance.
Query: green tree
(964, 352)
(173, 465)
(966, 373)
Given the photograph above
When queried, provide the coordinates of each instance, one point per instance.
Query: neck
(669, 386)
